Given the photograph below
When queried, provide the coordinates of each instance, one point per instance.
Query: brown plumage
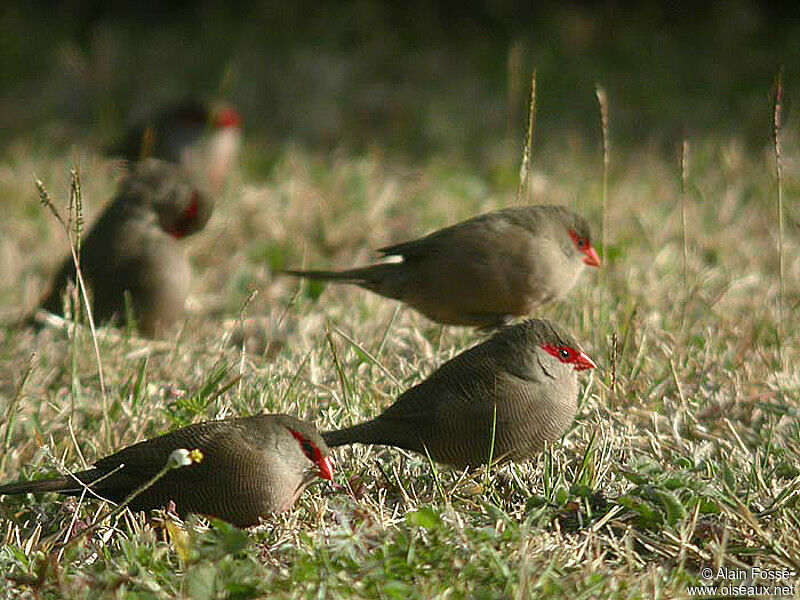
(526, 371)
(132, 249)
(483, 271)
(251, 467)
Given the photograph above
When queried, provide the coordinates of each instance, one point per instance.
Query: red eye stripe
(314, 455)
(571, 356)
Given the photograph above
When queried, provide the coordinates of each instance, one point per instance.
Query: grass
(684, 453)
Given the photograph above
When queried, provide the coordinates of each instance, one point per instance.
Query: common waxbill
(519, 384)
(483, 271)
(250, 467)
(203, 137)
(132, 250)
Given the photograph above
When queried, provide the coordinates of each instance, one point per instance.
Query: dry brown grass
(684, 453)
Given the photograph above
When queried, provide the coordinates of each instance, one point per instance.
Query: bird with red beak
(131, 260)
(501, 400)
(484, 271)
(246, 469)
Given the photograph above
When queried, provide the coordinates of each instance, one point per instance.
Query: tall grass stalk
(338, 365)
(602, 100)
(76, 201)
(602, 307)
(684, 167)
(525, 167)
(487, 472)
(776, 139)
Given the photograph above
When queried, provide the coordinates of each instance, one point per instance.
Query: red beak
(325, 468)
(591, 258)
(583, 362)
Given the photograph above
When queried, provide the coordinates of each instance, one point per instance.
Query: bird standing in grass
(499, 400)
(132, 252)
(250, 467)
(483, 271)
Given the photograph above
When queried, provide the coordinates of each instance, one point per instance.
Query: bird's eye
(563, 353)
(580, 242)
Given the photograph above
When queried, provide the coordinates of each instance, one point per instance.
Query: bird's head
(192, 214)
(571, 232)
(582, 244)
(181, 207)
(314, 448)
(540, 349)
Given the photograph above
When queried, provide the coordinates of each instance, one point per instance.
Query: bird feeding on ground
(502, 399)
(131, 258)
(249, 467)
(483, 271)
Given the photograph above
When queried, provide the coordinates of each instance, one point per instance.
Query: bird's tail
(363, 433)
(56, 484)
(358, 275)
(370, 277)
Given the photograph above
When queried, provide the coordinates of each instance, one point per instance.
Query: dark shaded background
(416, 80)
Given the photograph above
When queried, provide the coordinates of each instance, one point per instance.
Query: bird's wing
(479, 234)
(469, 381)
(452, 385)
(145, 459)
(424, 245)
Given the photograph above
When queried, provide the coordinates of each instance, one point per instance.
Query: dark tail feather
(58, 484)
(336, 438)
(363, 433)
(381, 278)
